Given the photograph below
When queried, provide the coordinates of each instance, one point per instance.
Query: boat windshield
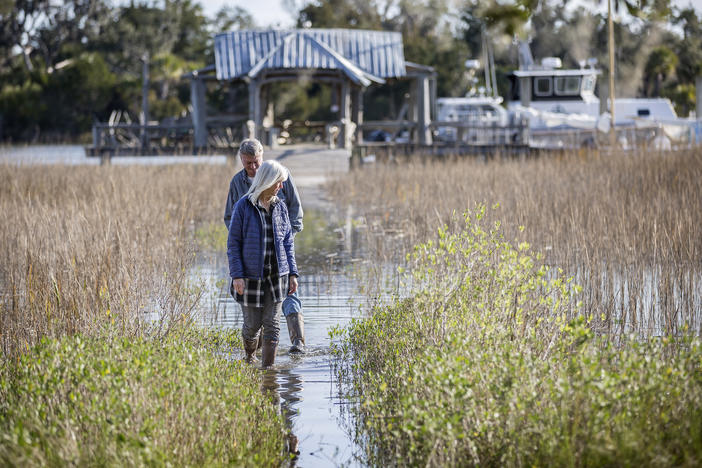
(542, 85)
(567, 85)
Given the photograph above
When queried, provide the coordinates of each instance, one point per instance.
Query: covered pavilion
(350, 60)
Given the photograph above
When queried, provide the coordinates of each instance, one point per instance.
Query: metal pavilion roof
(364, 56)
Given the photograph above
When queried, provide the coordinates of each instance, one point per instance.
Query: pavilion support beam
(199, 115)
(255, 114)
(357, 112)
(345, 116)
(412, 108)
(424, 110)
(268, 130)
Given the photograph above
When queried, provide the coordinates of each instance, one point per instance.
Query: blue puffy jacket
(245, 243)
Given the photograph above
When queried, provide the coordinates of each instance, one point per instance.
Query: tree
(660, 65)
(354, 14)
(78, 95)
(689, 50)
(40, 29)
(135, 31)
(193, 40)
(231, 18)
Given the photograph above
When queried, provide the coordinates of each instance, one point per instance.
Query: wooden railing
(152, 139)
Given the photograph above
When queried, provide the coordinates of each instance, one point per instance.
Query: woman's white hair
(269, 174)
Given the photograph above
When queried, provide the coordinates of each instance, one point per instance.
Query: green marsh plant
(115, 401)
(488, 361)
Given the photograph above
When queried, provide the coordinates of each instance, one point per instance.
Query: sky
(265, 12)
(274, 13)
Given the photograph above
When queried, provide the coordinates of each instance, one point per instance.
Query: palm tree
(659, 66)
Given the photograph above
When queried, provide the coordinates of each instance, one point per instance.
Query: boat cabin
(547, 83)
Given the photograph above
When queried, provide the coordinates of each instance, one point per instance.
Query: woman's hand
(238, 285)
(292, 284)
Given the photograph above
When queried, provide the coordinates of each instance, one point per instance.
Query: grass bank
(627, 227)
(489, 361)
(179, 401)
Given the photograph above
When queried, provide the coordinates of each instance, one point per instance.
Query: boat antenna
(489, 60)
(526, 60)
(486, 61)
(491, 55)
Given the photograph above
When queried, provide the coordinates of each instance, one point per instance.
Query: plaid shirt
(254, 289)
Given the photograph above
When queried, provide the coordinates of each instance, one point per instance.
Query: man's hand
(238, 285)
(292, 284)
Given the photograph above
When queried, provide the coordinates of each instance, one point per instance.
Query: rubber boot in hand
(296, 329)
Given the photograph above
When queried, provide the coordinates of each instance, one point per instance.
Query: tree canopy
(65, 65)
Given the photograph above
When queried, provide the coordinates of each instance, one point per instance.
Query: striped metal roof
(365, 56)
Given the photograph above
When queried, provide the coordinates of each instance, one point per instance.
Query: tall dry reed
(99, 249)
(627, 226)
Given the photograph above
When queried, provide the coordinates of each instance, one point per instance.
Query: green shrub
(181, 401)
(212, 236)
(489, 363)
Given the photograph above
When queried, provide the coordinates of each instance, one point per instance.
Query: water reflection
(284, 388)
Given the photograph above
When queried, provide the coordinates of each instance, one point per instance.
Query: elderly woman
(262, 259)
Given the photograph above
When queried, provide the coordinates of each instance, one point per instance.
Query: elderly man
(251, 155)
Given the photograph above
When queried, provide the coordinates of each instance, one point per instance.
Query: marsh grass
(96, 250)
(103, 364)
(487, 362)
(626, 226)
(117, 401)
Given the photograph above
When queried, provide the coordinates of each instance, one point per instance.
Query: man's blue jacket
(245, 247)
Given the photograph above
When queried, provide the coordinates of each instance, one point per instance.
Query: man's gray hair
(251, 147)
(269, 174)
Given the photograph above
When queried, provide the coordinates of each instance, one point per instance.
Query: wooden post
(268, 120)
(610, 26)
(96, 138)
(357, 113)
(345, 116)
(412, 111)
(424, 110)
(197, 97)
(255, 114)
(698, 92)
(144, 103)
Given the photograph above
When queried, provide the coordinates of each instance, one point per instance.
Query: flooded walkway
(307, 393)
(305, 387)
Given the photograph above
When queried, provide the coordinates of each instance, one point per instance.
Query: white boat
(561, 108)
(474, 112)
(555, 99)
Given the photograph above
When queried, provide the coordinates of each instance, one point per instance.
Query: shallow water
(303, 385)
(75, 154)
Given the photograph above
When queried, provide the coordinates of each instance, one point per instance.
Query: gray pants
(267, 316)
